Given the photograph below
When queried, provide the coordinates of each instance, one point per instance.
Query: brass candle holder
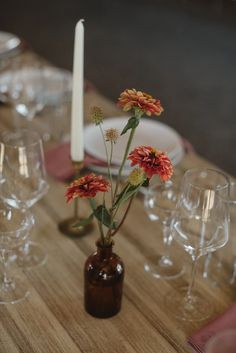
(67, 226)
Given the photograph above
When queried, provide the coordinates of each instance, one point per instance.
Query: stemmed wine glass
(15, 225)
(27, 88)
(160, 201)
(23, 181)
(200, 225)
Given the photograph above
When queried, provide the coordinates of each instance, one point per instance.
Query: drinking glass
(231, 202)
(222, 342)
(160, 202)
(200, 226)
(15, 225)
(212, 268)
(26, 89)
(23, 181)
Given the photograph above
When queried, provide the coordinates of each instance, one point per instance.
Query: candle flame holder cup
(68, 226)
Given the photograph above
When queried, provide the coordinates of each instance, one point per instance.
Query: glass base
(196, 309)
(33, 257)
(163, 267)
(14, 292)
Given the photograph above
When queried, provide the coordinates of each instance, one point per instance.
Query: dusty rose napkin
(58, 163)
(225, 321)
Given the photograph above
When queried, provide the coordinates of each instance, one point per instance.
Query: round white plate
(8, 42)
(149, 133)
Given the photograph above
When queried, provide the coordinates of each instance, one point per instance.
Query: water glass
(160, 203)
(15, 225)
(23, 181)
(200, 225)
(26, 90)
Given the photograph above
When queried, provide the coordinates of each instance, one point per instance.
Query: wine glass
(222, 342)
(27, 89)
(200, 226)
(211, 270)
(23, 181)
(160, 202)
(15, 225)
(231, 202)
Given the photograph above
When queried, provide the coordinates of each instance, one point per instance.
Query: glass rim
(38, 140)
(216, 171)
(231, 201)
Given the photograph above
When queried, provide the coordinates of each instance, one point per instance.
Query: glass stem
(165, 259)
(166, 240)
(207, 265)
(7, 282)
(233, 277)
(188, 296)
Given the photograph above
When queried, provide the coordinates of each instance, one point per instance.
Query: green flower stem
(119, 176)
(107, 157)
(110, 160)
(131, 135)
(101, 232)
(120, 202)
(124, 217)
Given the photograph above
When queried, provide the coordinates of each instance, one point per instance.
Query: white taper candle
(77, 109)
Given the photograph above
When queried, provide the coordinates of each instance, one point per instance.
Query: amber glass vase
(103, 282)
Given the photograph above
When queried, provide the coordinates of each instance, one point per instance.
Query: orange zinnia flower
(152, 162)
(87, 186)
(131, 98)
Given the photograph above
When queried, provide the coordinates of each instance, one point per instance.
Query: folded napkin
(58, 162)
(225, 321)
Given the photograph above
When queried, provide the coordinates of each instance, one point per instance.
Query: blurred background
(182, 51)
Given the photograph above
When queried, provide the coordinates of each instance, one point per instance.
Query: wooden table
(53, 319)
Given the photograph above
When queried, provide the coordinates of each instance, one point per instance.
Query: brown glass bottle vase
(103, 282)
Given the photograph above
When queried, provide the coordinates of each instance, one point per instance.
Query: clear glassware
(231, 202)
(212, 269)
(15, 225)
(23, 181)
(27, 89)
(200, 226)
(160, 202)
(222, 342)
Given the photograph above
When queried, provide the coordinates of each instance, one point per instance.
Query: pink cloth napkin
(58, 162)
(225, 321)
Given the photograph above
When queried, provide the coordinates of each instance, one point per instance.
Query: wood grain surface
(52, 319)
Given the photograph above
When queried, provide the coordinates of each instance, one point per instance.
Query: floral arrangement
(147, 161)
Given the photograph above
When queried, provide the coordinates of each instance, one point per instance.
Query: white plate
(149, 133)
(56, 83)
(8, 42)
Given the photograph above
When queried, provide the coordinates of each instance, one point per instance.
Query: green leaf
(119, 196)
(130, 193)
(146, 183)
(103, 215)
(83, 222)
(131, 124)
(125, 194)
